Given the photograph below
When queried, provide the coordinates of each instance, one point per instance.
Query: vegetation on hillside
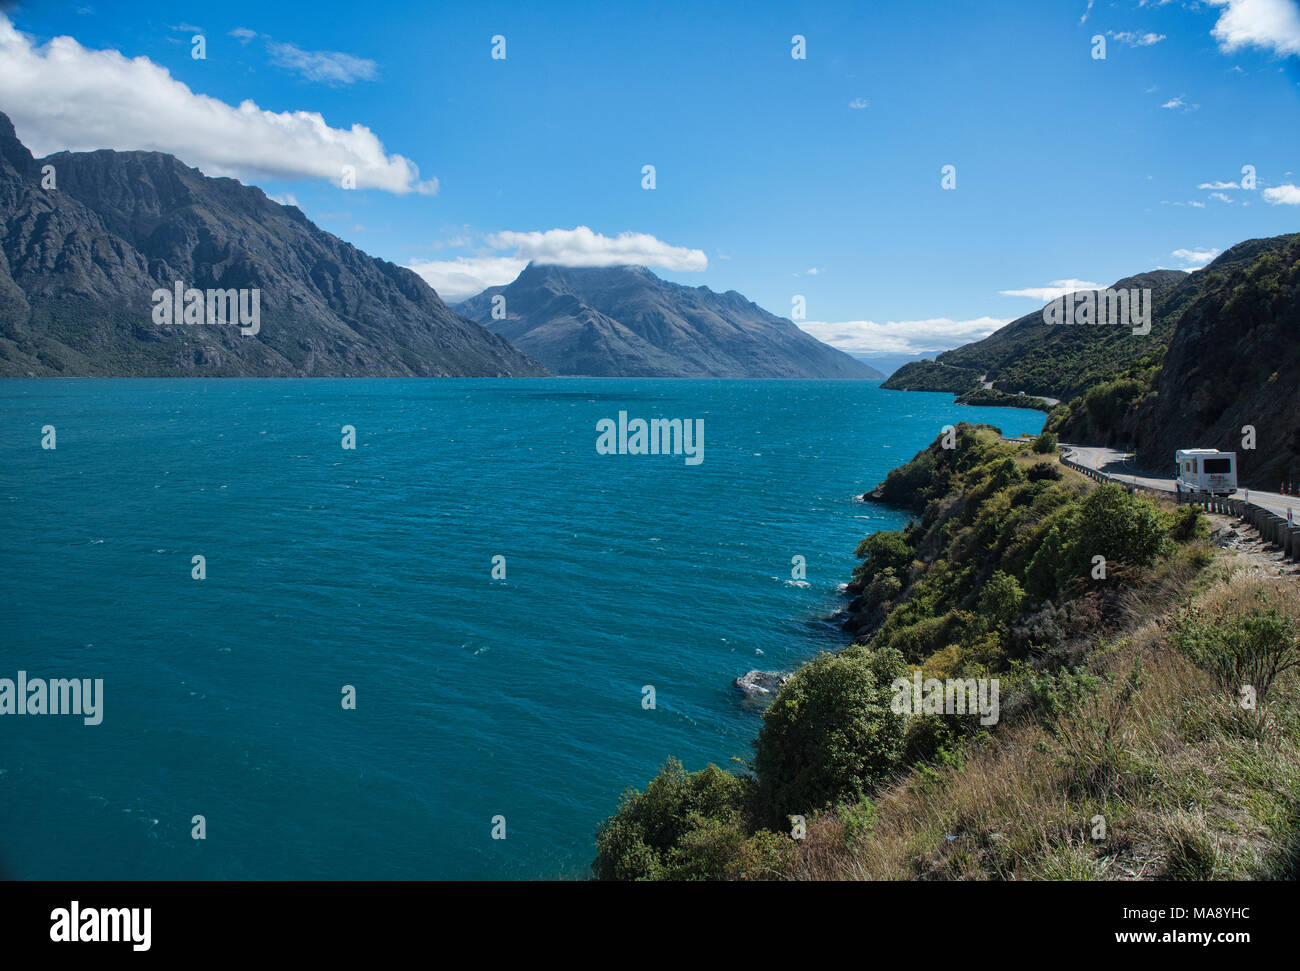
(1121, 747)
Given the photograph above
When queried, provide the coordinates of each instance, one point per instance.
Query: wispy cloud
(329, 67)
(61, 95)
(1057, 288)
(859, 103)
(1134, 39)
(1194, 259)
(1218, 185)
(1173, 104)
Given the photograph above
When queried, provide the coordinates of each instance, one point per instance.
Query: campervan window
(1218, 466)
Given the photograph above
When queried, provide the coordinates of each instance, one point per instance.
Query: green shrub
(1108, 402)
(1043, 472)
(1054, 695)
(1238, 649)
(1188, 524)
(886, 550)
(1045, 444)
(830, 736)
(1120, 526)
(682, 826)
(1001, 600)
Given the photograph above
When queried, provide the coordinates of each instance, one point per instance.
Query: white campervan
(1206, 470)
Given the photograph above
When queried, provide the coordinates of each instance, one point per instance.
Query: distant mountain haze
(626, 322)
(79, 263)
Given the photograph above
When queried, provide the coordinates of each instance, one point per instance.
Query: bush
(1043, 472)
(886, 550)
(1121, 527)
(1241, 649)
(1060, 694)
(1001, 599)
(1188, 524)
(683, 826)
(1108, 402)
(1045, 444)
(830, 736)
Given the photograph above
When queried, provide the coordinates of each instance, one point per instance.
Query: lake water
(475, 698)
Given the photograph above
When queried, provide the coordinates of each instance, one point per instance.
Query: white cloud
(901, 336)
(1058, 288)
(1218, 185)
(582, 247)
(1282, 195)
(465, 276)
(1135, 39)
(331, 67)
(288, 199)
(1272, 25)
(1221, 196)
(61, 95)
(1178, 102)
(1084, 18)
(1194, 259)
(859, 103)
(243, 34)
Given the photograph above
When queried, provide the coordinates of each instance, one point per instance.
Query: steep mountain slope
(79, 263)
(626, 322)
(1233, 361)
(1057, 361)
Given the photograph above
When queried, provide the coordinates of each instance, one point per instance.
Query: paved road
(988, 386)
(1120, 464)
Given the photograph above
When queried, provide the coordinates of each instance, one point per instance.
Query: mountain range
(87, 237)
(625, 321)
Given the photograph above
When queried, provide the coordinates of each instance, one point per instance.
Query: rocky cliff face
(626, 322)
(1234, 361)
(79, 263)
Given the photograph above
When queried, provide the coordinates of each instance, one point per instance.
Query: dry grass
(1188, 786)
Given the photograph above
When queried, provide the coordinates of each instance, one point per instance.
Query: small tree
(830, 736)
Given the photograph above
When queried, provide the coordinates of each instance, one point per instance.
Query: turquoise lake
(475, 698)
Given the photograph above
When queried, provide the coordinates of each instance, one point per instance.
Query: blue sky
(774, 176)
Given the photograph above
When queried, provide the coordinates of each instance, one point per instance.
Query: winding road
(1120, 465)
